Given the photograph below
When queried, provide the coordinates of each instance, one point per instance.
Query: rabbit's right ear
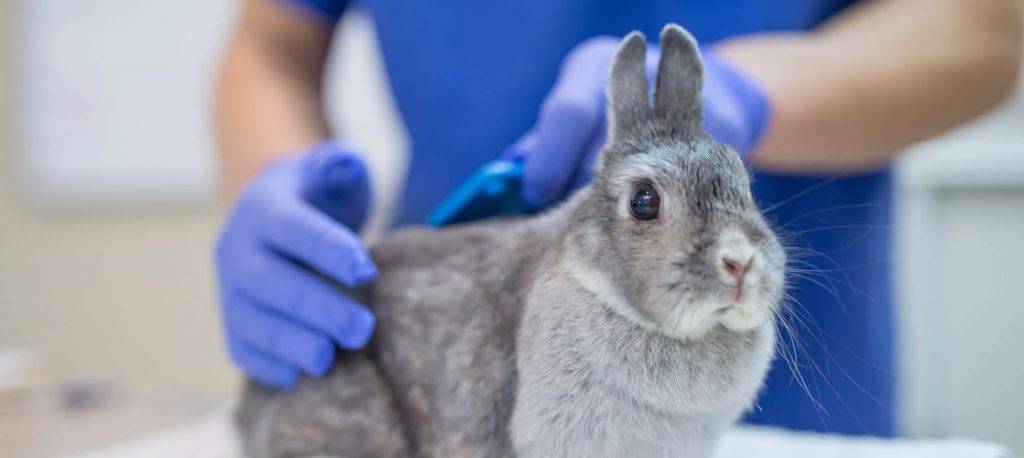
(627, 86)
(677, 93)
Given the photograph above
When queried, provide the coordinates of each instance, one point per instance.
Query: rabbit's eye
(645, 202)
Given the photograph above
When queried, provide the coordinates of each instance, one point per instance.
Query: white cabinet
(960, 273)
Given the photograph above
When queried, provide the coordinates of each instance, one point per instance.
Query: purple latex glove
(298, 216)
(560, 149)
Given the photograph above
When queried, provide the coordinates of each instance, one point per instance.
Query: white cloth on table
(214, 437)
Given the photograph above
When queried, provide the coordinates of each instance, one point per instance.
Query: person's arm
(841, 99)
(878, 78)
(291, 235)
(269, 88)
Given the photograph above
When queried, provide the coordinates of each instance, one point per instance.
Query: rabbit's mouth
(747, 307)
(692, 321)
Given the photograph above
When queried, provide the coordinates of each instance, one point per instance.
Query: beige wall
(121, 298)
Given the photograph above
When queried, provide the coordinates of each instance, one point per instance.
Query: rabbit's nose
(736, 268)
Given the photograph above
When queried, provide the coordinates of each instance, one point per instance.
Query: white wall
(114, 101)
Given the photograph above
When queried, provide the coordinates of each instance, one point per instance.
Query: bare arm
(268, 95)
(878, 78)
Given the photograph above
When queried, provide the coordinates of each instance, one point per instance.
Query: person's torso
(469, 77)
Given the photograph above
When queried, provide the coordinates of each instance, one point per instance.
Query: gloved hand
(298, 216)
(560, 149)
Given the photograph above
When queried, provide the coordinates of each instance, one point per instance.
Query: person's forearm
(878, 78)
(268, 95)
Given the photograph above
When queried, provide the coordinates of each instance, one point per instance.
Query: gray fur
(580, 332)
(678, 99)
(627, 103)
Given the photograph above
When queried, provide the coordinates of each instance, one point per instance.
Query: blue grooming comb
(492, 191)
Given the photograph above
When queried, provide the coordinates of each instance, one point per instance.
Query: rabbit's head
(668, 233)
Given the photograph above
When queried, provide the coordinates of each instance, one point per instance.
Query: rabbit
(635, 319)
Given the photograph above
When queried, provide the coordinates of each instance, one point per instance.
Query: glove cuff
(756, 108)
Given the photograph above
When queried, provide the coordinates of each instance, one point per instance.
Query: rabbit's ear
(677, 94)
(627, 86)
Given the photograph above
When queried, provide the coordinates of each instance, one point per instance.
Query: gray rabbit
(636, 319)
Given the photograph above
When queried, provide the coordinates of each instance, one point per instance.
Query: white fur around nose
(752, 311)
(735, 245)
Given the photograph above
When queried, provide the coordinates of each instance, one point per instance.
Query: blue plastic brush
(493, 191)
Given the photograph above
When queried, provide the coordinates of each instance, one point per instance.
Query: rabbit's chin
(744, 318)
(694, 321)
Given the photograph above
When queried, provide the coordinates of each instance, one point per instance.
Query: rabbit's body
(443, 375)
(633, 320)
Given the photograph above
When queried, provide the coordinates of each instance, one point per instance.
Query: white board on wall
(115, 97)
(113, 100)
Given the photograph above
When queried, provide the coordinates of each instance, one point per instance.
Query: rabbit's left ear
(627, 87)
(677, 93)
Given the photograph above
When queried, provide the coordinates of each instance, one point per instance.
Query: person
(816, 95)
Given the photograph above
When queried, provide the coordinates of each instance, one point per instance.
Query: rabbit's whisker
(790, 356)
(795, 313)
(826, 210)
(799, 194)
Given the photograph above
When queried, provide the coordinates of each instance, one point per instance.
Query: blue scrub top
(469, 77)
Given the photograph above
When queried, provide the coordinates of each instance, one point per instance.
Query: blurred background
(108, 210)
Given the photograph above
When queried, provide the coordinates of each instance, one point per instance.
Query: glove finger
(519, 149)
(311, 237)
(337, 181)
(569, 117)
(562, 134)
(585, 172)
(721, 114)
(736, 108)
(279, 337)
(293, 292)
(262, 368)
